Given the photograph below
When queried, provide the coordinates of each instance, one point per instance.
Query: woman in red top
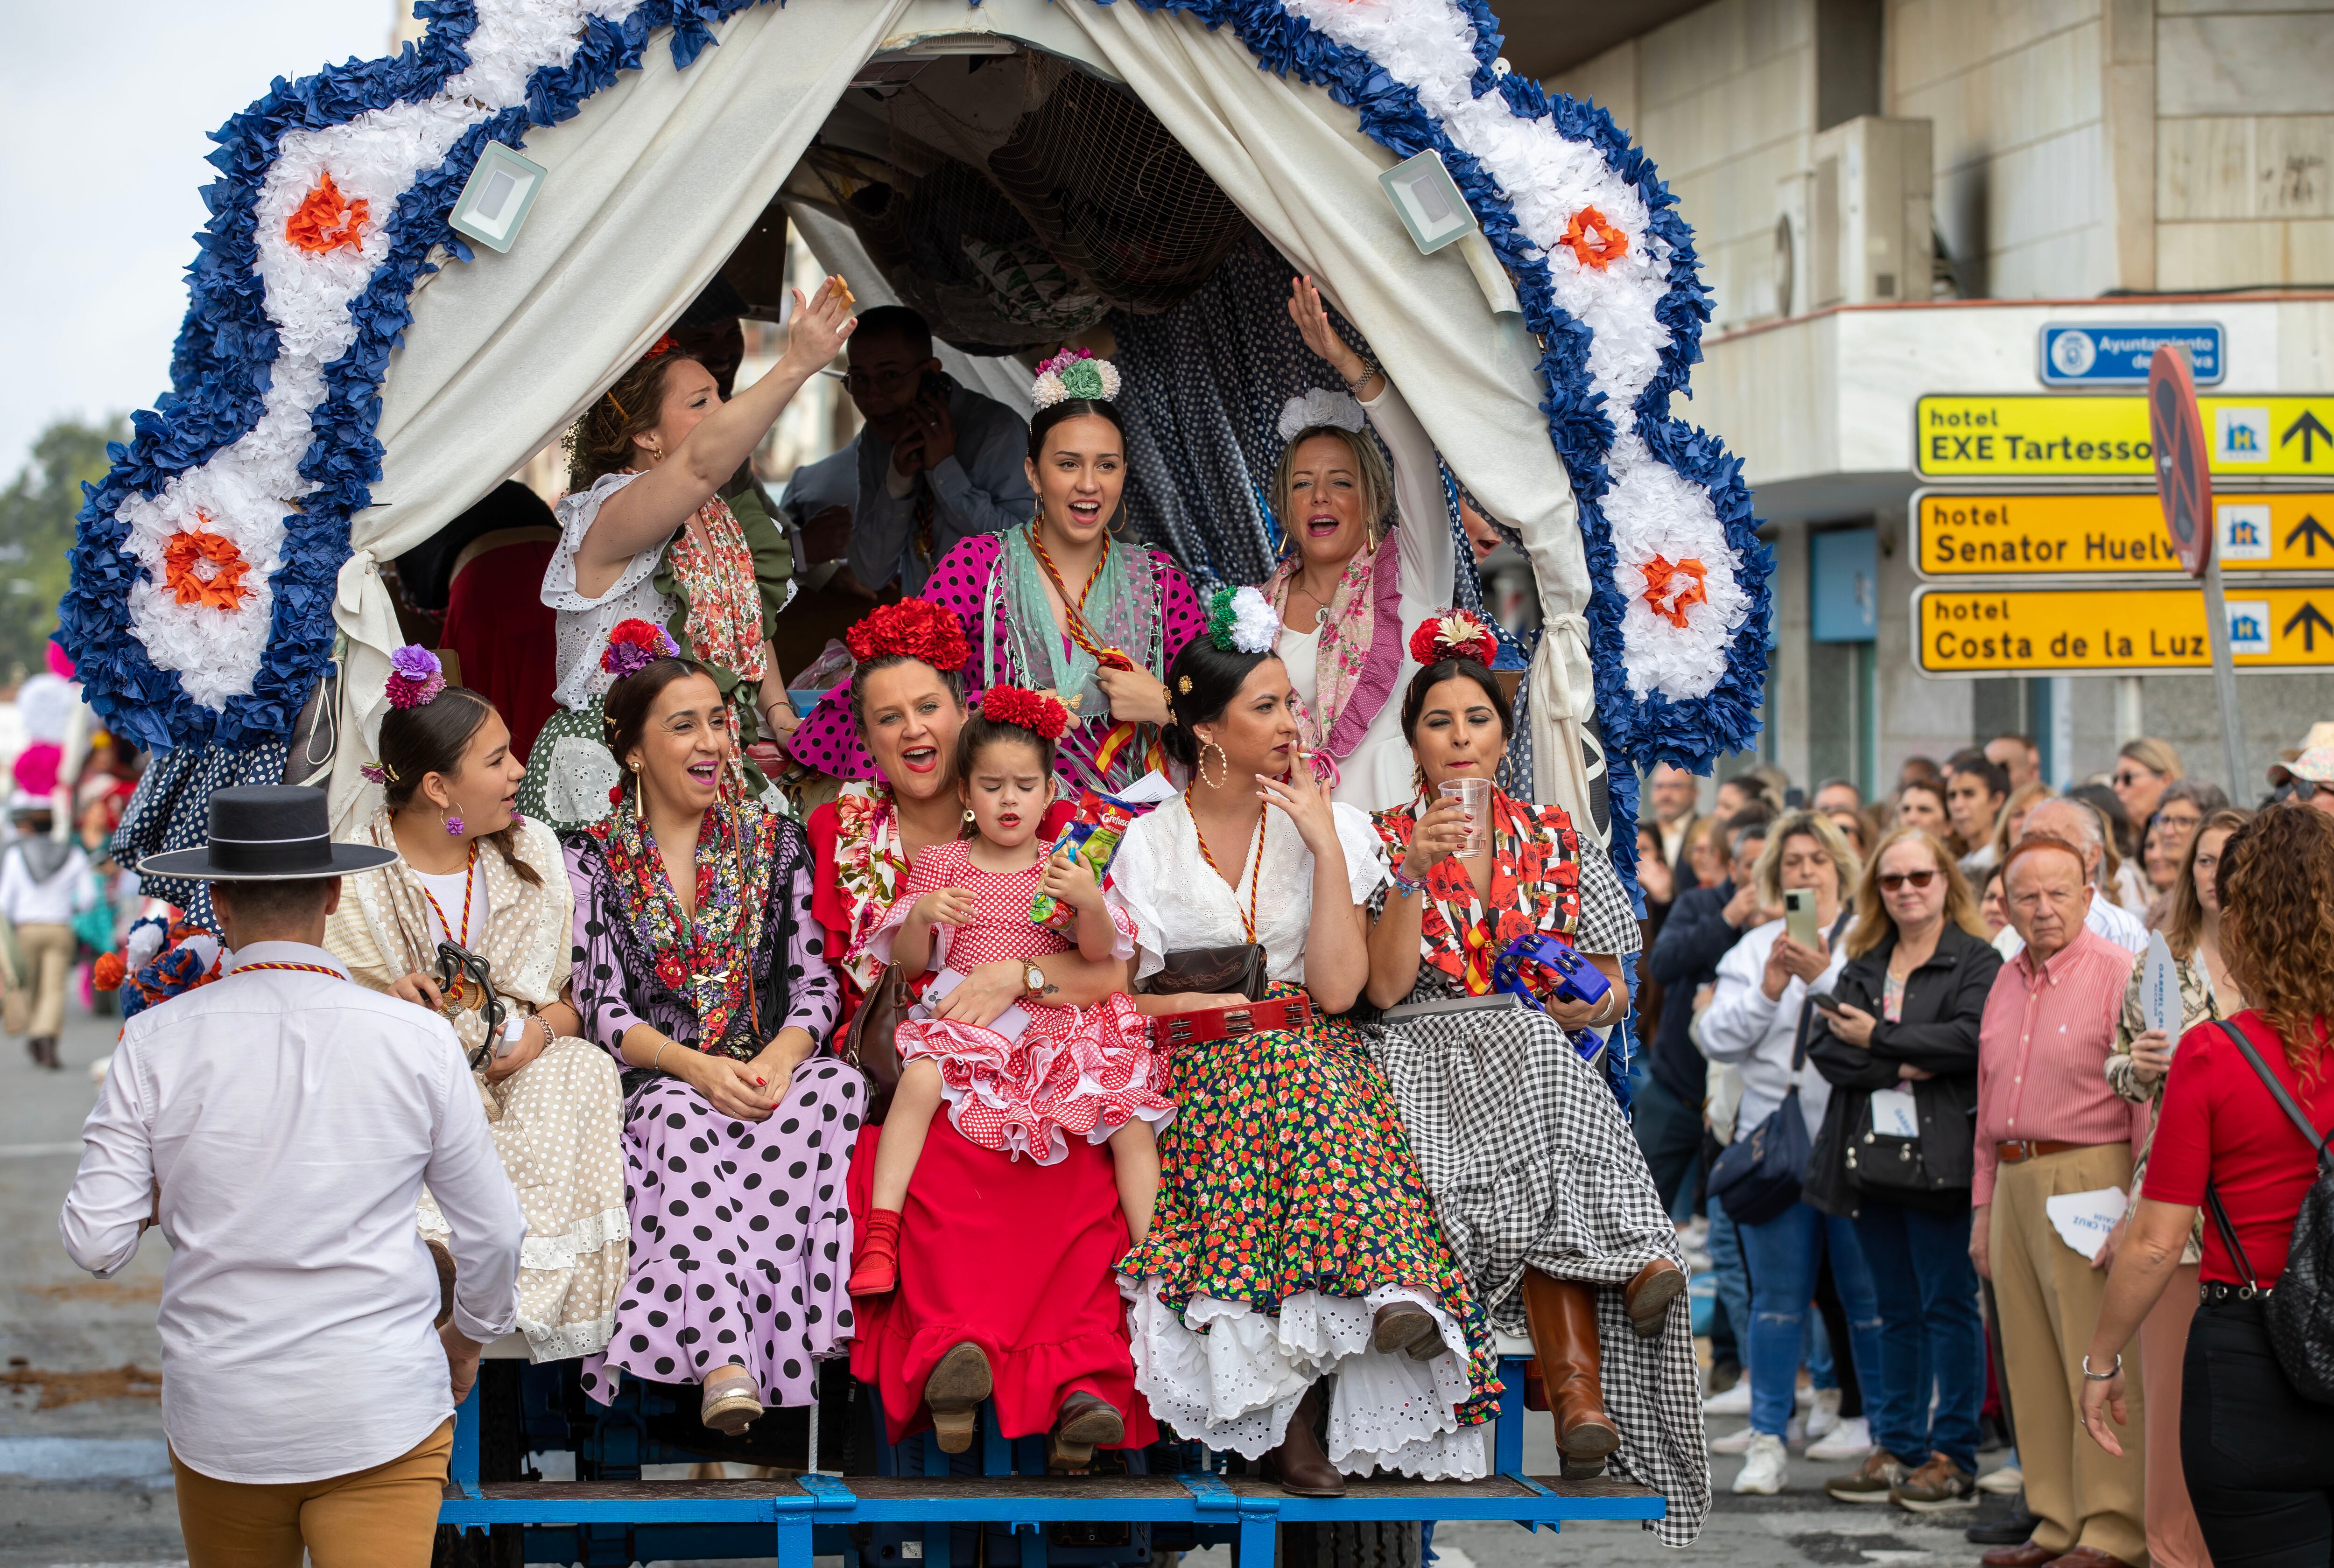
(1012, 1258)
(2260, 1458)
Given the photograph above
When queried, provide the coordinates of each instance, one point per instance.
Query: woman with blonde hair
(2143, 767)
(2137, 1069)
(1759, 1018)
(1899, 1047)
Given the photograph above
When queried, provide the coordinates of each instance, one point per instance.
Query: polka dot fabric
(1075, 1073)
(741, 1236)
(171, 810)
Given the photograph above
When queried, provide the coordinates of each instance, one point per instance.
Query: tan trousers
(2174, 1540)
(48, 959)
(2049, 1295)
(384, 1517)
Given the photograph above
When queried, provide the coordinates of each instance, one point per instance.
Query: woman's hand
(2102, 1398)
(1852, 1026)
(1436, 839)
(420, 989)
(1656, 878)
(2151, 1058)
(1305, 801)
(1908, 1073)
(742, 1090)
(534, 1040)
(984, 992)
(945, 907)
(789, 1049)
(1806, 964)
(1312, 319)
(1136, 696)
(818, 328)
(1744, 911)
(1071, 883)
(1775, 977)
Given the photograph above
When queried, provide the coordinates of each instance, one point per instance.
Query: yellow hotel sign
(2062, 533)
(2034, 435)
(2116, 630)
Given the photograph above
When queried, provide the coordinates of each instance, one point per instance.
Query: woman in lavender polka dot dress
(705, 973)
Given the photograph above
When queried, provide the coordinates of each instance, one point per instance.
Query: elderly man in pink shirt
(2047, 1125)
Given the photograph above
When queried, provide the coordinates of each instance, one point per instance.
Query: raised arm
(1397, 931)
(644, 513)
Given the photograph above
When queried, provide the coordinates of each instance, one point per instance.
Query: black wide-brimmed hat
(267, 833)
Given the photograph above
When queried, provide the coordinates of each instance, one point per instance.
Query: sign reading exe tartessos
(2116, 630)
(2037, 435)
(2036, 533)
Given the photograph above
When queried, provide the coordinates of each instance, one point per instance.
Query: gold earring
(1223, 766)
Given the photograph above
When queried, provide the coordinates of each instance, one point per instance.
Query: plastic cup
(1474, 796)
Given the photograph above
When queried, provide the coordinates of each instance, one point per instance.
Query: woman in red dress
(1009, 1257)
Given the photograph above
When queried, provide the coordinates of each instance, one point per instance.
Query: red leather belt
(1173, 1029)
(2022, 1149)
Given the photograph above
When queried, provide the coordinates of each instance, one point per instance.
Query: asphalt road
(84, 1477)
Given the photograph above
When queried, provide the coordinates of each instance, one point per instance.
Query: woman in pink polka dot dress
(1025, 1083)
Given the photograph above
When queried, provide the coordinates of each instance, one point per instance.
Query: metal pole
(2225, 674)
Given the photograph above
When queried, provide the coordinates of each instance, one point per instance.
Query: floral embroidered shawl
(870, 860)
(724, 602)
(1535, 887)
(1361, 646)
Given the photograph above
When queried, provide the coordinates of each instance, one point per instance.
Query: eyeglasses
(1892, 880)
(2128, 777)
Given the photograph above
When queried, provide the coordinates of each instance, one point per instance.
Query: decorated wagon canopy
(352, 375)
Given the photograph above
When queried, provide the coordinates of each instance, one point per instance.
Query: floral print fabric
(1535, 888)
(868, 860)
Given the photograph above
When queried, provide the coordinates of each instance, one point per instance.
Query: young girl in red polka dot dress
(1068, 1072)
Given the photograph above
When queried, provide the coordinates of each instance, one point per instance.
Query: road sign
(2005, 533)
(2087, 354)
(2039, 436)
(2022, 630)
(2183, 482)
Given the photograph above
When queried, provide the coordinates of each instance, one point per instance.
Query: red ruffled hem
(1072, 1077)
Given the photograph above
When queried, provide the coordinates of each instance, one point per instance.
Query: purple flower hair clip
(634, 645)
(415, 676)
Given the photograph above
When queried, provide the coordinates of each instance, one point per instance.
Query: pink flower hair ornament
(634, 645)
(415, 675)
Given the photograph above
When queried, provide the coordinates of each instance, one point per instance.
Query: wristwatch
(1033, 980)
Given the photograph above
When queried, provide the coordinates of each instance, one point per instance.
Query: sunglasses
(1892, 880)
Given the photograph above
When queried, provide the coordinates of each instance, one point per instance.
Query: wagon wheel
(1362, 1544)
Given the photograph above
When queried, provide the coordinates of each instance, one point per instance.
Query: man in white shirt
(279, 1124)
(44, 883)
(2071, 821)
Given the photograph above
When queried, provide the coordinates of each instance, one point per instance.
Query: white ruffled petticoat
(1233, 1381)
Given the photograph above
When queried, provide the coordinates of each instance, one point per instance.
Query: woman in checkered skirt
(1537, 1182)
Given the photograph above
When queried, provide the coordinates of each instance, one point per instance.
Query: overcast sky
(97, 185)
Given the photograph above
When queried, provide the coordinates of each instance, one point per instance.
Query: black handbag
(1883, 1163)
(1234, 971)
(1758, 1177)
(2298, 1310)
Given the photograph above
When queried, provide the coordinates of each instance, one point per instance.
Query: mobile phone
(1799, 916)
(1825, 1000)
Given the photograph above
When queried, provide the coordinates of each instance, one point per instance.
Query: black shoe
(2002, 1522)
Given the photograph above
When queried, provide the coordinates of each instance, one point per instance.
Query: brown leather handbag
(872, 1043)
(1234, 971)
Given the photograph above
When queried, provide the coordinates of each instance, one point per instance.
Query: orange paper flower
(326, 220)
(191, 551)
(1671, 586)
(108, 973)
(1596, 239)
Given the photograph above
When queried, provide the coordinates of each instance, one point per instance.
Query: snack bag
(1091, 836)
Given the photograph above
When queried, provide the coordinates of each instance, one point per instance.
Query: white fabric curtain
(656, 179)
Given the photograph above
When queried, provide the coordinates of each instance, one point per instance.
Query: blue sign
(1844, 565)
(2118, 355)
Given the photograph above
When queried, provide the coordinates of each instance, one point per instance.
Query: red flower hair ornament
(913, 628)
(1454, 634)
(635, 645)
(1041, 716)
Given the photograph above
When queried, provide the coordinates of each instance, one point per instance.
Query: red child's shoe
(875, 1266)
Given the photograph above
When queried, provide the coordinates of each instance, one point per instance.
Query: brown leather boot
(1562, 1316)
(953, 1393)
(1298, 1464)
(1646, 1298)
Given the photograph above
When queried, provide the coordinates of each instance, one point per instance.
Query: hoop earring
(1223, 766)
(452, 822)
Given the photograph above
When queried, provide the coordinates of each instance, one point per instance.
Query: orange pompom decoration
(108, 973)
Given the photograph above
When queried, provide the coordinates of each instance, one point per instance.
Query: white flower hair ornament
(1074, 374)
(1317, 406)
(1242, 620)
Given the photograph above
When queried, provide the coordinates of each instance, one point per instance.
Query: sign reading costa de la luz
(2039, 436)
(2061, 532)
(2116, 630)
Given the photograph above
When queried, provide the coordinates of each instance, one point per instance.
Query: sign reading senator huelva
(2007, 533)
(2114, 630)
(2035, 436)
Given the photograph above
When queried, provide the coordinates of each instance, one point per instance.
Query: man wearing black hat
(279, 1124)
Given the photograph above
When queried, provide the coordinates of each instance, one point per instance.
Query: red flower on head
(1041, 716)
(661, 347)
(1454, 634)
(913, 628)
(634, 645)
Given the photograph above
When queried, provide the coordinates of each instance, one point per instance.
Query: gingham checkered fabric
(1530, 1162)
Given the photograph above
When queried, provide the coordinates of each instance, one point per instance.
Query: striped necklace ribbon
(1253, 874)
(469, 885)
(1101, 652)
(300, 968)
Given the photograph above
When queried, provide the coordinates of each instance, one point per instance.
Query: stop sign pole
(2184, 485)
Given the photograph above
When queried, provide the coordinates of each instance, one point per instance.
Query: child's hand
(1071, 883)
(945, 907)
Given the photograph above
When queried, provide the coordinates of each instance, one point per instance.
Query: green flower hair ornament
(1074, 374)
(1242, 620)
